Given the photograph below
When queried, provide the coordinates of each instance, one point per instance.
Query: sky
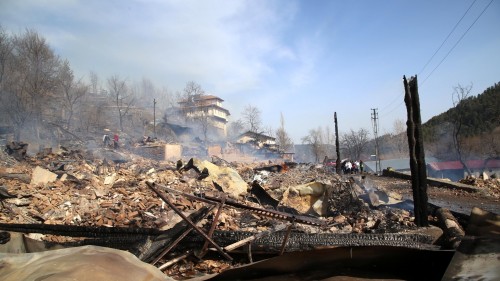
(303, 59)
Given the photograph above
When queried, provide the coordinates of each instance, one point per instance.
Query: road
(455, 200)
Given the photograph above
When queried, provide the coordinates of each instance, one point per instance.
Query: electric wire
(447, 37)
(458, 41)
(393, 109)
(442, 60)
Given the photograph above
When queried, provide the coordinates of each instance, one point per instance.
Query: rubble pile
(273, 204)
(490, 186)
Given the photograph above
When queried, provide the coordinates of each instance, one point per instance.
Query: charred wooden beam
(80, 231)
(453, 232)
(264, 212)
(299, 241)
(185, 218)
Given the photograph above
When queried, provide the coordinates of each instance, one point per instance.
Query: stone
(228, 178)
(42, 176)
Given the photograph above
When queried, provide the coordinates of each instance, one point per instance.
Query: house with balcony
(206, 108)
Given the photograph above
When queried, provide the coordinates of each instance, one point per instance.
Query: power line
(394, 100)
(392, 110)
(460, 39)
(432, 57)
(446, 39)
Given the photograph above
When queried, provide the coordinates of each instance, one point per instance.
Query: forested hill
(481, 114)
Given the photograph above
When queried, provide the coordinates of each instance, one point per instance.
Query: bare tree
(28, 79)
(235, 128)
(315, 140)
(146, 93)
(268, 131)
(72, 91)
(122, 99)
(459, 95)
(329, 138)
(94, 82)
(191, 90)
(492, 145)
(6, 47)
(284, 141)
(251, 118)
(203, 121)
(399, 139)
(39, 66)
(355, 142)
(6, 58)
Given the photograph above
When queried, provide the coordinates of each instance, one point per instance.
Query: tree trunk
(416, 151)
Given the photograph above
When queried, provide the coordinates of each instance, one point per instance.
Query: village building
(399, 165)
(206, 108)
(454, 170)
(257, 138)
(263, 146)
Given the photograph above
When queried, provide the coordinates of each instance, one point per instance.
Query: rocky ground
(487, 198)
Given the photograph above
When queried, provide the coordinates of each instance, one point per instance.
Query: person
(115, 141)
(348, 167)
(356, 167)
(106, 140)
(361, 166)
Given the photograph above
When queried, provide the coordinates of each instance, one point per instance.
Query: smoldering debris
(193, 217)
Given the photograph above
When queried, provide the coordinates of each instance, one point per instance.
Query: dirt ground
(488, 198)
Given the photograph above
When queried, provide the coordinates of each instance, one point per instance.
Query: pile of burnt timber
(165, 212)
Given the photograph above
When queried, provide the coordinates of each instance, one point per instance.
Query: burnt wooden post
(416, 148)
(337, 149)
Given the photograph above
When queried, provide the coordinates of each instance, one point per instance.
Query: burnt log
(144, 243)
(299, 241)
(453, 232)
(17, 150)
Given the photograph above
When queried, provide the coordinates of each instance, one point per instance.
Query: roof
(472, 164)
(208, 97)
(201, 98)
(396, 164)
(256, 135)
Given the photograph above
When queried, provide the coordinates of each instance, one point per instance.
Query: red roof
(472, 164)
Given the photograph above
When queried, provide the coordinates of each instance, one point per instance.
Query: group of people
(106, 141)
(352, 167)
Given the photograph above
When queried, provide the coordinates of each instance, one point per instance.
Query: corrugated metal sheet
(472, 164)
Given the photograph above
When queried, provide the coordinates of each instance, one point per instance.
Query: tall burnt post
(337, 146)
(416, 148)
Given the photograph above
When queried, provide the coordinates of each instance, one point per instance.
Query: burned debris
(205, 216)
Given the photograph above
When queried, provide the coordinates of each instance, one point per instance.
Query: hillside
(481, 112)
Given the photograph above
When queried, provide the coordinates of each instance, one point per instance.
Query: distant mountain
(481, 112)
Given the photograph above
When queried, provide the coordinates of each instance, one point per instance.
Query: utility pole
(375, 119)
(154, 118)
(337, 146)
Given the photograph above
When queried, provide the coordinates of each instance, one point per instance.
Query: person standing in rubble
(356, 167)
(115, 141)
(105, 140)
(361, 166)
(348, 167)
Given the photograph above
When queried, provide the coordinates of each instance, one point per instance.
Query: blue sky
(305, 59)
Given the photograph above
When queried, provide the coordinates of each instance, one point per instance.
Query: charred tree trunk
(416, 148)
(337, 145)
